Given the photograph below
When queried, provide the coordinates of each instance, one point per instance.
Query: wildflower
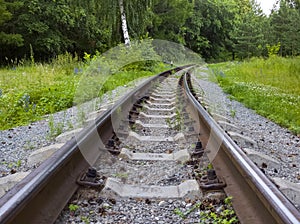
(76, 70)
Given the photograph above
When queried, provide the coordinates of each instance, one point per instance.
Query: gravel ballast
(18, 143)
(271, 139)
(277, 142)
(149, 191)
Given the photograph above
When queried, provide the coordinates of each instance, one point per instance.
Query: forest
(219, 30)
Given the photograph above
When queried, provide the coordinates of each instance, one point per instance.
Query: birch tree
(124, 23)
(132, 17)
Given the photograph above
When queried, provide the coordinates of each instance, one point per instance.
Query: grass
(211, 211)
(30, 91)
(269, 86)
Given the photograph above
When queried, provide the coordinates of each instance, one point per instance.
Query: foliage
(8, 38)
(13, 165)
(52, 27)
(105, 72)
(211, 25)
(285, 27)
(211, 211)
(248, 35)
(55, 129)
(73, 208)
(271, 87)
(185, 214)
(30, 91)
(273, 50)
(226, 215)
(218, 30)
(169, 20)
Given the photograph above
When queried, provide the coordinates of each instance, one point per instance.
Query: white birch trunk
(124, 23)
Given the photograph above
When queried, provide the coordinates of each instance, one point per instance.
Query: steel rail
(255, 198)
(42, 195)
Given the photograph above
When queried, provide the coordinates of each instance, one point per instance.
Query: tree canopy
(216, 29)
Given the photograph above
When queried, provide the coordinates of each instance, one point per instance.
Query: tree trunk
(124, 23)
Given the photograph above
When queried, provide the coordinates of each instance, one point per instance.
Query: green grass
(269, 86)
(27, 92)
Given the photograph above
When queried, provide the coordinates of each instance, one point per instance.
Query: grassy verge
(271, 87)
(27, 92)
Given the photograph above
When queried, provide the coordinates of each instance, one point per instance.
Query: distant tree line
(217, 29)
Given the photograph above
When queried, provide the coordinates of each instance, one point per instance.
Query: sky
(266, 5)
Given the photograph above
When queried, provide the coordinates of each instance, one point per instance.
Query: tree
(217, 29)
(249, 31)
(8, 37)
(124, 23)
(169, 19)
(285, 27)
(194, 38)
(53, 27)
(131, 17)
(209, 28)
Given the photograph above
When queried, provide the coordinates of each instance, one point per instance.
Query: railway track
(160, 148)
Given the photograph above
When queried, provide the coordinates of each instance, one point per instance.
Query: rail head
(271, 200)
